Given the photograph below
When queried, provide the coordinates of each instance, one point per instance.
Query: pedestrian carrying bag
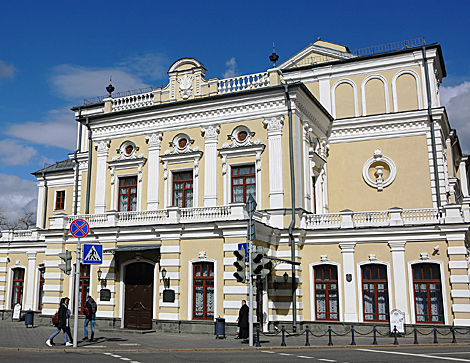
(55, 319)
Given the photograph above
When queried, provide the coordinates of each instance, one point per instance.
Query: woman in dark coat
(243, 320)
(64, 314)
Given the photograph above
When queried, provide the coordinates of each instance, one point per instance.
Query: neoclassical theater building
(357, 174)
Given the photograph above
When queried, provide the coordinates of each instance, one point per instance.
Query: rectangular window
(243, 183)
(183, 189)
(84, 287)
(375, 292)
(17, 288)
(203, 291)
(60, 199)
(428, 293)
(326, 292)
(128, 194)
(41, 287)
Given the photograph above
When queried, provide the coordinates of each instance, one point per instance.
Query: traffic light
(240, 264)
(67, 266)
(258, 260)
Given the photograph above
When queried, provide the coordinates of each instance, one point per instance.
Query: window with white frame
(60, 200)
(17, 287)
(375, 292)
(128, 194)
(326, 292)
(243, 183)
(428, 293)
(183, 189)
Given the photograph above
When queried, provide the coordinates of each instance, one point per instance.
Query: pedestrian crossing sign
(92, 254)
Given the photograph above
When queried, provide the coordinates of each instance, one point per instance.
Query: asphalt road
(344, 355)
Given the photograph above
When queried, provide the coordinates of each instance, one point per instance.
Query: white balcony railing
(133, 101)
(20, 235)
(242, 83)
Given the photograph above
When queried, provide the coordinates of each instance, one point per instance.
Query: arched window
(326, 292)
(203, 290)
(375, 292)
(17, 287)
(428, 293)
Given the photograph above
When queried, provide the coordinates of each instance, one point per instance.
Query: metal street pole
(77, 288)
(250, 292)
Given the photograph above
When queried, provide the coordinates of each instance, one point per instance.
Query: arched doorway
(138, 309)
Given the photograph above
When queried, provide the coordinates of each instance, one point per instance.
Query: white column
(30, 282)
(154, 147)
(350, 296)
(102, 148)
(211, 134)
(463, 178)
(399, 277)
(276, 187)
(40, 208)
(306, 162)
(324, 87)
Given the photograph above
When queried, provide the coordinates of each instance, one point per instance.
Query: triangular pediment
(319, 52)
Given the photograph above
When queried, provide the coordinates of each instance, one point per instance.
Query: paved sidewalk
(14, 335)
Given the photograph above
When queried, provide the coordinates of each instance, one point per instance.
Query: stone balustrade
(132, 101)
(20, 235)
(243, 83)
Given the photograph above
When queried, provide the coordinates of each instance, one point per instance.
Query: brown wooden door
(139, 296)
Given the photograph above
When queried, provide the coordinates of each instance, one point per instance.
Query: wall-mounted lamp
(166, 280)
(278, 284)
(103, 281)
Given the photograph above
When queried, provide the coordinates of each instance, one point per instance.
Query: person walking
(90, 311)
(243, 321)
(63, 324)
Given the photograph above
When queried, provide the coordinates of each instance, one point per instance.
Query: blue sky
(53, 54)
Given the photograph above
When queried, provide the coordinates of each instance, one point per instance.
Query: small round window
(129, 149)
(242, 136)
(182, 143)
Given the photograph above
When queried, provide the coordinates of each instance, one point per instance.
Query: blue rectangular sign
(245, 247)
(92, 254)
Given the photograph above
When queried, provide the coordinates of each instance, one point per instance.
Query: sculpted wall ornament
(128, 151)
(274, 124)
(241, 136)
(186, 86)
(154, 140)
(379, 171)
(181, 144)
(102, 146)
(211, 132)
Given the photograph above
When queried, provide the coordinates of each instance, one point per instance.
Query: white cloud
(6, 70)
(17, 196)
(231, 70)
(14, 153)
(457, 102)
(59, 129)
(72, 82)
(152, 66)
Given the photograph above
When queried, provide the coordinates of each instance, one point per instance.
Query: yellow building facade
(357, 175)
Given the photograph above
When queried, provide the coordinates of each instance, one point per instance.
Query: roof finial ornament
(110, 88)
(274, 57)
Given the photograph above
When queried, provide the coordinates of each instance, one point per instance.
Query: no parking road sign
(93, 254)
(79, 228)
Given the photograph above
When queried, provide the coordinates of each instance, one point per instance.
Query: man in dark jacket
(243, 321)
(90, 311)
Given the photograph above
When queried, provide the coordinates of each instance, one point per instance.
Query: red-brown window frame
(204, 280)
(252, 174)
(177, 180)
(123, 185)
(428, 292)
(375, 282)
(42, 281)
(17, 277)
(60, 199)
(328, 313)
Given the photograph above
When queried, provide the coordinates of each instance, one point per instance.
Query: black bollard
(283, 343)
(435, 335)
(395, 332)
(375, 336)
(307, 332)
(352, 335)
(452, 329)
(329, 335)
(257, 337)
(416, 335)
